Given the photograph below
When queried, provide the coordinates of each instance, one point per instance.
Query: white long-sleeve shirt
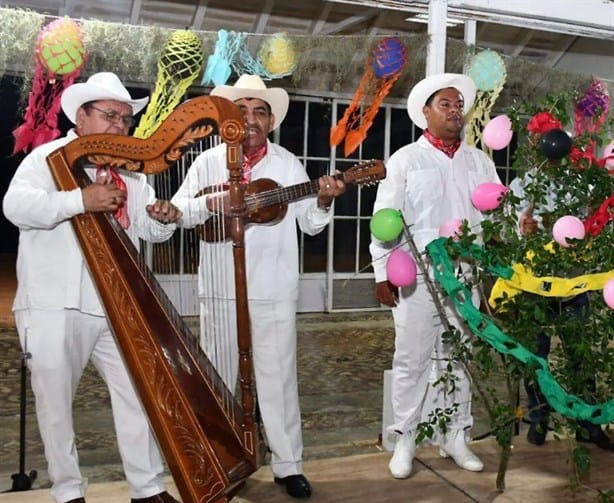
(430, 189)
(271, 249)
(51, 271)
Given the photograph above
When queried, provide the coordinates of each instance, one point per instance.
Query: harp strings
(199, 276)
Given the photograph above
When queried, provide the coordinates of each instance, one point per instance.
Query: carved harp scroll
(209, 451)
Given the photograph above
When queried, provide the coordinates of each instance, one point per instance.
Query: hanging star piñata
(384, 66)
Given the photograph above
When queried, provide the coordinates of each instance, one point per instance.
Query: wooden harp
(209, 438)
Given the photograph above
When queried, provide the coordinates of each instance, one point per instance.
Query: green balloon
(386, 224)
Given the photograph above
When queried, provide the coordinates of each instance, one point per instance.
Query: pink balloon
(608, 293)
(609, 152)
(401, 268)
(497, 133)
(451, 229)
(567, 227)
(488, 196)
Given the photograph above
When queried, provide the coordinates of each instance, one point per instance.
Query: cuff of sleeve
(380, 274)
(320, 215)
(194, 213)
(161, 231)
(323, 209)
(74, 205)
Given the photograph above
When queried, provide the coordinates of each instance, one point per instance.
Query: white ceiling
(584, 41)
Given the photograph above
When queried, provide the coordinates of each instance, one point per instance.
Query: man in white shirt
(59, 315)
(271, 265)
(431, 182)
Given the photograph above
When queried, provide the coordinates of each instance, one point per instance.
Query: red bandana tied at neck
(121, 214)
(249, 160)
(449, 150)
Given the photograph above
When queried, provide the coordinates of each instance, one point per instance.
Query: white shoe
(455, 447)
(404, 450)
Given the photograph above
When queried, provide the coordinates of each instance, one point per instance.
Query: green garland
(564, 403)
(325, 63)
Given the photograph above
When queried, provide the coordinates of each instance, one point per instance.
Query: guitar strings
(285, 194)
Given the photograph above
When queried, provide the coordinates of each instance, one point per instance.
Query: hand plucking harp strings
(103, 195)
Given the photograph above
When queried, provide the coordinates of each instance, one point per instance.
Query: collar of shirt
(250, 159)
(449, 150)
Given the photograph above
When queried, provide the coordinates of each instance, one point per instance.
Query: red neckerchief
(449, 150)
(249, 160)
(121, 214)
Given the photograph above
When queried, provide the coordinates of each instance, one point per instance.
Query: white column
(470, 31)
(436, 51)
(470, 40)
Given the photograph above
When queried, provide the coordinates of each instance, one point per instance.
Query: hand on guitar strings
(218, 202)
(330, 187)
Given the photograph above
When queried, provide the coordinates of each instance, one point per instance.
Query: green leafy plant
(578, 184)
(575, 184)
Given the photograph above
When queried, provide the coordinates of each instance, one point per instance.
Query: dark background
(12, 113)
(9, 98)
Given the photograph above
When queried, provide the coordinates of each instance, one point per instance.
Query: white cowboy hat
(252, 86)
(426, 87)
(100, 86)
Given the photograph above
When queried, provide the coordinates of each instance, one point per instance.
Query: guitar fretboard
(286, 194)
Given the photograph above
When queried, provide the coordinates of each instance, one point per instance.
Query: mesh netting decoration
(488, 72)
(276, 58)
(179, 66)
(218, 64)
(60, 56)
(384, 66)
(277, 55)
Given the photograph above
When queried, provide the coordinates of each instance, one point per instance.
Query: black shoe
(537, 433)
(595, 435)
(297, 486)
(163, 497)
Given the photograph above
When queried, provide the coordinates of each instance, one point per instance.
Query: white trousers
(61, 343)
(273, 332)
(420, 357)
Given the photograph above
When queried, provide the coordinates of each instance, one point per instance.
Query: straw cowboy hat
(100, 86)
(252, 86)
(426, 87)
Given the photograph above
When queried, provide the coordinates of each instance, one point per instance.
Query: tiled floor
(342, 358)
(341, 362)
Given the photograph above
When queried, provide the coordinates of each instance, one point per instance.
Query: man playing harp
(271, 266)
(59, 315)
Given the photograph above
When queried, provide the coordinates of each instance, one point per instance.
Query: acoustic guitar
(266, 202)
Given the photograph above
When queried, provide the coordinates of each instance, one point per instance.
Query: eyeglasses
(114, 116)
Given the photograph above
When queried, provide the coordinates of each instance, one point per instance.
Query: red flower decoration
(543, 122)
(582, 158)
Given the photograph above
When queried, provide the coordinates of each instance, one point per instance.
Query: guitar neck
(292, 193)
